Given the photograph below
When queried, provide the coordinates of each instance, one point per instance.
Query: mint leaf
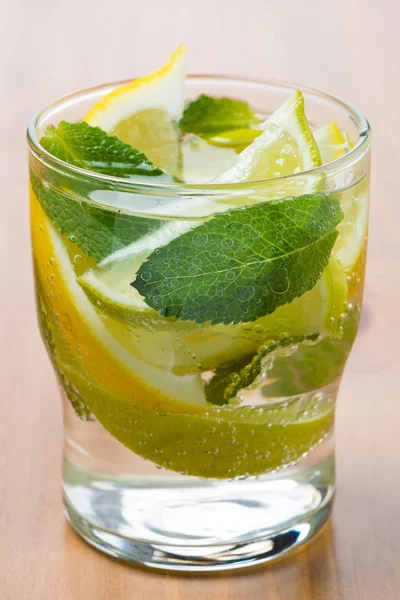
(230, 379)
(93, 149)
(98, 232)
(208, 115)
(309, 368)
(242, 264)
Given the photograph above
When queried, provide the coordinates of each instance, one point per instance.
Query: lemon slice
(100, 353)
(144, 113)
(333, 144)
(163, 89)
(353, 230)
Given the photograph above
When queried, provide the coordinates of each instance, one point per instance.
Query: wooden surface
(349, 48)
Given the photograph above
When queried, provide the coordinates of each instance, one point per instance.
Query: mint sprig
(230, 379)
(207, 115)
(243, 264)
(98, 232)
(313, 367)
(309, 368)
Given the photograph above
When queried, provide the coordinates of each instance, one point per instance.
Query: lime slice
(144, 113)
(334, 143)
(286, 146)
(224, 442)
(238, 139)
(221, 442)
(110, 292)
(318, 311)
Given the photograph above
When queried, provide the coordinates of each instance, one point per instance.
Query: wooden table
(349, 48)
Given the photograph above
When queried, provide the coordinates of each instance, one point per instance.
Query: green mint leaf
(309, 368)
(208, 115)
(230, 379)
(97, 232)
(242, 264)
(93, 149)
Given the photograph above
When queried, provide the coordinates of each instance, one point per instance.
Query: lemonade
(199, 268)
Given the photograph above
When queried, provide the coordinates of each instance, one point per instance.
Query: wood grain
(349, 48)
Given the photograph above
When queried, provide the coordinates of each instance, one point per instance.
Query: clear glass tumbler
(174, 457)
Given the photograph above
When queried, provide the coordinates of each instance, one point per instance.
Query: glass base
(201, 558)
(199, 525)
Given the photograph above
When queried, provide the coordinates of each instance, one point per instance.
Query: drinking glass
(173, 458)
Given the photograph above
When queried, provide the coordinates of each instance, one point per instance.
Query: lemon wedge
(144, 113)
(333, 143)
(102, 356)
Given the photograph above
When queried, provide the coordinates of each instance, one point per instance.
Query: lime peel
(285, 147)
(273, 436)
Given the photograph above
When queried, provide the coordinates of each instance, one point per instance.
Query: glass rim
(47, 159)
